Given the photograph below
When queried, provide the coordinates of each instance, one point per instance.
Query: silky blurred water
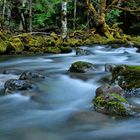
(63, 109)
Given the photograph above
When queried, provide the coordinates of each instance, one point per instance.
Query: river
(63, 109)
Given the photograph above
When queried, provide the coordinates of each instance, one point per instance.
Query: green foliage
(44, 10)
(112, 17)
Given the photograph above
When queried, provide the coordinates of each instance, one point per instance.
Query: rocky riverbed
(42, 97)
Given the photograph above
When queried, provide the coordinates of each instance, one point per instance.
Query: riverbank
(40, 42)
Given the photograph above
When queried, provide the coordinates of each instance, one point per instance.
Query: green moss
(16, 45)
(127, 76)
(3, 46)
(73, 42)
(65, 49)
(82, 67)
(3, 36)
(134, 68)
(81, 64)
(112, 103)
(54, 50)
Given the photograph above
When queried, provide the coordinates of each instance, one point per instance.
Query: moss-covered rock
(3, 35)
(128, 77)
(3, 46)
(112, 104)
(82, 67)
(54, 50)
(73, 42)
(65, 49)
(109, 89)
(15, 44)
(80, 51)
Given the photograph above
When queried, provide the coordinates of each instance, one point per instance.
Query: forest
(73, 22)
(69, 69)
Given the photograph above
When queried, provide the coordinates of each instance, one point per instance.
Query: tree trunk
(99, 17)
(74, 18)
(64, 20)
(22, 25)
(4, 9)
(101, 23)
(9, 14)
(30, 15)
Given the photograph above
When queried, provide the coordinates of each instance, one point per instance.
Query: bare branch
(126, 9)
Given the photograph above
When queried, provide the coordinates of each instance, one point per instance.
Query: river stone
(109, 89)
(82, 67)
(112, 104)
(109, 67)
(13, 85)
(80, 52)
(29, 75)
(128, 78)
(65, 49)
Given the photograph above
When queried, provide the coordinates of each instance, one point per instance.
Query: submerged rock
(88, 117)
(12, 71)
(108, 101)
(82, 67)
(14, 85)
(29, 75)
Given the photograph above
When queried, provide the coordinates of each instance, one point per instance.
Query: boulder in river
(82, 67)
(109, 67)
(29, 75)
(65, 49)
(80, 52)
(14, 85)
(108, 101)
(128, 78)
(109, 89)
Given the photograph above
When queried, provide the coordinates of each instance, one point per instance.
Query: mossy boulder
(3, 46)
(112, 104)
(53, 50)
(109, 89)
(3, 35)
(66, 49)
(127, 77)
(80, 51)
(37, 41)
(15, 45)
(73, 42)
(82, 67)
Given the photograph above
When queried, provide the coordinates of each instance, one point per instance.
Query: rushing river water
(63, 109)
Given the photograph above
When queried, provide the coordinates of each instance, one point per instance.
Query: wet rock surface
(112, 103)
(14, 85)
(80, 52)
(127, 77)
(82, 67)
(31, 75)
